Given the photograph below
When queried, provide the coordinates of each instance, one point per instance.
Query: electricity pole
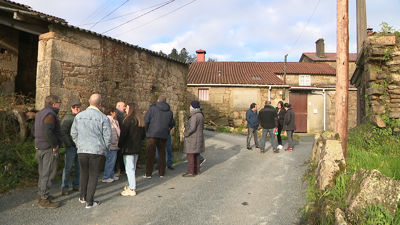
(342, 72)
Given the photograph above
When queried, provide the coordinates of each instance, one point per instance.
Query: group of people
(93, 139)
(272, 120)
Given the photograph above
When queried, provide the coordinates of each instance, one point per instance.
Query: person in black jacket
(289, 125)
(268, 119)
(281, 118)
(130, 143)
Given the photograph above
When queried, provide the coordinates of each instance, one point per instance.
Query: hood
(162, 105)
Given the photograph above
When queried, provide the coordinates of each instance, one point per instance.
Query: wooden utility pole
(361, 24)
(342, 72)
(284, 79)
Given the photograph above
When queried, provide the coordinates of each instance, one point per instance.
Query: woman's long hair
(135, 115)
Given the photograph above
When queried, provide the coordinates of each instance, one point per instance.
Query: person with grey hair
(268, 119)
(91, 131)
(48, 139)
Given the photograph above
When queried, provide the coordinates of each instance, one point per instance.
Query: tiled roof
(329, 57)
(262, 73)
(27, 10)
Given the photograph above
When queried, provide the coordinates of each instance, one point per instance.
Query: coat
(131, 137)
(267, 117)
(159, 120)
(116, 133)
(252, 119)
(290, 123)
(66, 125)
(281, 116)
(194, 137)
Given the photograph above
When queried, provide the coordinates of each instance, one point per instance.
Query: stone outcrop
(328, 154)
(339, 217)
(369, 187)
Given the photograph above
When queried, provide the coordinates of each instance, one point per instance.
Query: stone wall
(318, 80)
(75, 64)
(330, 110)
(228, 105)
(8, 58)
(380, 81)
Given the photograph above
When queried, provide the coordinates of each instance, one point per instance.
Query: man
(48, 140)
(268, 118)
(252, 125)
(159, 121)
(121, 107)
(71, 156)
(168, 153)
(92, 134)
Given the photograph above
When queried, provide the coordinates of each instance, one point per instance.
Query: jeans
(290, 138)
(264, 139)
(168, 152)
(47, 163)
(130, 168)
(152, 144)
(110, 164)
(252, 132)
(71, 158)
(90, 168)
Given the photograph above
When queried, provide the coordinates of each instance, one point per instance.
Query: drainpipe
(324, 95)
(269, 93)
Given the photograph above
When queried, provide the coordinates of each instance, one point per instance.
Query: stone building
(377, 79)
(42, 55)
(226, 90)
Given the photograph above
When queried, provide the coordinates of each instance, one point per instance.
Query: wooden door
(298, 100)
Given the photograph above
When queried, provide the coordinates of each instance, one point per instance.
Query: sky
(228, 30)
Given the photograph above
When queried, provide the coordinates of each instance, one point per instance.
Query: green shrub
(224, 129)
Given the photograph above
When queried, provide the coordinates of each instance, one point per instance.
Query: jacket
(91, 132)
(252, 119)
(116, 131)
(119, 117)
(47, 129)
(290, 123)
(194, 137)
(66, 124)
(159, 120)
(267, 117)
(131, 137)
(281, 116)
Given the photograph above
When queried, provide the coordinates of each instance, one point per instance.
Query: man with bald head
(92, 134)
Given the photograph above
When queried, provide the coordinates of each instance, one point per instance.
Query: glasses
(76, 107)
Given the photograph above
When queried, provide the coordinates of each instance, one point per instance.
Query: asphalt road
(236, 186)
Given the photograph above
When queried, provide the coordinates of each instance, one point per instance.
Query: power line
(123, 15)
(95, 12)
(109, 13)
(304, 27)
(137, 17)
(155, 19)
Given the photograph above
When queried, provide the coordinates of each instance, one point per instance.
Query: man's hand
(56, 148)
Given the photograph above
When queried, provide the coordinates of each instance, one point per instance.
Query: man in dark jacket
(71, 155)
(252, 125)
(159, 121)
(48, 140)
(268, 119)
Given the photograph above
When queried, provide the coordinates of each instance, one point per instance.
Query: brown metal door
(298, 100)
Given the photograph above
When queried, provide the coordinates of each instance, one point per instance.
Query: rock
(316, 149)
(222, 121)
(339, 217)
(377, 121)
(367, 187)
(330, 135)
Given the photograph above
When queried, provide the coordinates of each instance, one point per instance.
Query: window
(203, 94)
(305, 80)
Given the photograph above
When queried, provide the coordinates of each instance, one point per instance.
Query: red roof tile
(329, 57)
(263, 73)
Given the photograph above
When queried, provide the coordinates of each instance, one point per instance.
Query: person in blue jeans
(109, 172)
(71, 157)
(268, 119)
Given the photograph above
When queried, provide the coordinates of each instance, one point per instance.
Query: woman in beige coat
(194, 139)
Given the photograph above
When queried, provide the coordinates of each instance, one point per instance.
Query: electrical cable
(137, 17)
(304, 27)
(155, 19)
(109, 14)
(95, 11)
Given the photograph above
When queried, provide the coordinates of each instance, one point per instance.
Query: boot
(48, 204)
(39, 197)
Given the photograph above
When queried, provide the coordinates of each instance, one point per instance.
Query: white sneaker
(115, 178)
(280, 147)
(95, 203)
(109, 180)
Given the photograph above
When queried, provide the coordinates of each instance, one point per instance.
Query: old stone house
(42, 55)
(226, 90)
(377, 79)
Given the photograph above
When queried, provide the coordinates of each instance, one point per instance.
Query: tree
(212, 59)
(183, 56)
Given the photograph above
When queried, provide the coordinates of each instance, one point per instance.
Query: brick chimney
(201, 55)
(320, 48)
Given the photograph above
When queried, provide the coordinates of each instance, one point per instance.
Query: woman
(194, 139)
(109, 172)
(281, 118)
(289, 125)
(132, 135)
